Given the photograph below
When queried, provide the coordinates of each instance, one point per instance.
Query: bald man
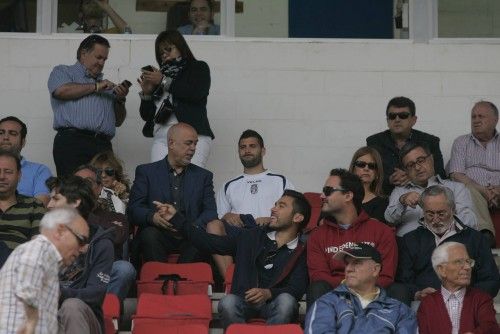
(29, 284)
(174, 180)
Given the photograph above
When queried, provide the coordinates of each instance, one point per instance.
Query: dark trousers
(156, 244)
(72, 149)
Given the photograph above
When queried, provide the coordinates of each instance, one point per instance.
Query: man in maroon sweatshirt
(345, 224)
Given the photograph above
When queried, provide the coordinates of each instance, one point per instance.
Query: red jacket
(329, 238)
(478, 314)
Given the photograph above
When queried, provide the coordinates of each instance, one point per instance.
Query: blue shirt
(33, 177)
(213, 29)
(94, 112)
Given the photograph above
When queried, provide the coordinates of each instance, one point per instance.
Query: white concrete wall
(314, 102)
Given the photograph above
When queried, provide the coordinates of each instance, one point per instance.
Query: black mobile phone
(148, 68)
(127, 83)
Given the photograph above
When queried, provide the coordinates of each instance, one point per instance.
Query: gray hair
(435, 191)
(440, 254)
(59, 216)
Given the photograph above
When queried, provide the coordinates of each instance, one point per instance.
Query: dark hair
(90, 168)
(88, 44)
(351, 182)
(492, 106)
(252, 134)
(401, 102)
(210, 4)
(410, 146)
(15, 156)
(300, 205)
(173, 37)
(376, 185)
(24, 128)
(108, 157)
(74, 188)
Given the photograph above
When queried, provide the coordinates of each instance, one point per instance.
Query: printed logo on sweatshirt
(349, 244)
(103, 277)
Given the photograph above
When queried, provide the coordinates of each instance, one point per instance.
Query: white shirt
(252, 194)
(117, 202)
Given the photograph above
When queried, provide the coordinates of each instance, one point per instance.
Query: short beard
(251, 163)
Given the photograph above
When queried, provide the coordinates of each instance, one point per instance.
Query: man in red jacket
(345, 224)
(456, 307)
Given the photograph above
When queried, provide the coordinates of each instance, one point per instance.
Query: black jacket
(386, 146)
(91, 283)
(190, 91)
(415, 267)
(246, 247)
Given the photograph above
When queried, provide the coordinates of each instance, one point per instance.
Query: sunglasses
(402, 115)
(330, 190)
(108, 171)
(82, 240)
(362, 164)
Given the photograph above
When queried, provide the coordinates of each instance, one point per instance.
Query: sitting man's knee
(216, 227)
(286, 303)
(316, 290)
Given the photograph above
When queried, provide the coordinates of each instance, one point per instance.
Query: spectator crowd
(403, 240)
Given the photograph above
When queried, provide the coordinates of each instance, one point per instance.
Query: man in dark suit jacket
(400, 114)
(176, 181)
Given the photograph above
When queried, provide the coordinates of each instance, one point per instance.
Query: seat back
(264, 329)
(158, 328)
(196, 278)
(228, 279)
(111, 312)
(315, 200)
(170, 310)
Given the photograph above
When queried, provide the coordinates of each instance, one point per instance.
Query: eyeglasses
(109, 171)
(82, 240)
(362, 164)
(419, 161)
(461, 262)
(402, 115)
(430, 215)
(330, 190)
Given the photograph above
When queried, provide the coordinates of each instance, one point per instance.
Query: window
(18, 15)
(468, 18)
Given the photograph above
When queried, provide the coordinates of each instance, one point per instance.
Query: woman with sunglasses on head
(367, 164)
(109, 171)
(176, 92)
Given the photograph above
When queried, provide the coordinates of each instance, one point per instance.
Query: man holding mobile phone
(87, 108)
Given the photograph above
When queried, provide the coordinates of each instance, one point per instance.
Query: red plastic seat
(111, 310)
(315, 200)
(170, 310)
(264, 329)
(198, 278)
(228, 279)
(154, 328)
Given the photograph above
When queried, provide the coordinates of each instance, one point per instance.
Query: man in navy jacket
(270, 266)
(174, 180)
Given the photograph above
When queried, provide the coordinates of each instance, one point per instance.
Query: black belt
(88, 133)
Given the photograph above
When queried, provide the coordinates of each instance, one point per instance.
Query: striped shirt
(94, 112)
(454, 302)
(21, 222)
(30, 277)
(481, 164)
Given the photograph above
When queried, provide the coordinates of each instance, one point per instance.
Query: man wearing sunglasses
(29, 284)
(403, 210)
(345, 223)
(85, 282)
(415, 276)
(400, 115)
(87, 108)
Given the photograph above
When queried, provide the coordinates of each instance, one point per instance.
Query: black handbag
(161, 117)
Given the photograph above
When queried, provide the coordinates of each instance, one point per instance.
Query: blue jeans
(122, 277)
(280, 310)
